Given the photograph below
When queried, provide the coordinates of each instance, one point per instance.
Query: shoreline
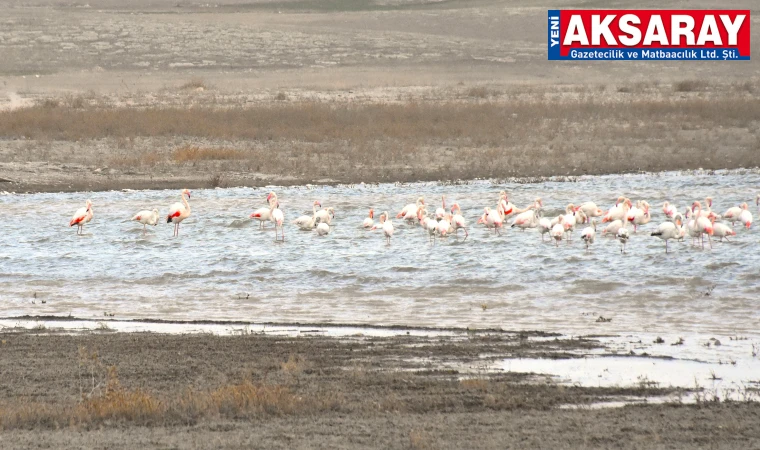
(155, 390)
(12, 183)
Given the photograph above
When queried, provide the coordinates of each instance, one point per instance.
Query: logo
(649, 35)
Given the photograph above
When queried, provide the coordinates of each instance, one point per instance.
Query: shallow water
(223, 267)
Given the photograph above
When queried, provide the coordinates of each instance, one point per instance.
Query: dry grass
(478, 124)
(577, 134)
(118, 404)
(191, 153)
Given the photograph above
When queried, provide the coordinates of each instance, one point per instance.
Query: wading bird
(179, 211)
(146, 218)
(81, 217)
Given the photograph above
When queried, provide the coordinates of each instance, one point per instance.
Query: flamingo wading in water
(146, 218)
(81, 217)
(264, 214)
(179, 212)
(278, 218)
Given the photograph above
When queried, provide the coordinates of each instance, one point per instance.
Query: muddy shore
(369, 392)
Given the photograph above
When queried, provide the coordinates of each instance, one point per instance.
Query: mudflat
(122, 390)
(170, 95)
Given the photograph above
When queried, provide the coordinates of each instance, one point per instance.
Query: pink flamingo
(278, 218)
(264, 214)
(370, 219)
(457, 220)
(179, 212)
(81, 217)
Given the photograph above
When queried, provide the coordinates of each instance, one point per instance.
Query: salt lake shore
(109, 389)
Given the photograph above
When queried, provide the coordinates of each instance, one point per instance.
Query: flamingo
(325, 215)
(568, 220)
(492, 220)
(278, 218)
(623, 236)
(444, 226)
(746, 217)
(669, 230)
(307, 222)
(544, 226)
(179, 211)
(732, 214)
(722, 231)
(557, 232)
(264, 214)
(669, 210)
(409, 212)
(639, 215)
(619, 211)
(369, 220)
(428, 223)
(527, 219)
(440, 213)
(702, 225)
(591, 210)
(388, 227)
(147, 218)
(323, 229)
(81, 217)
(612, 228)
(458, 221)
(505, 207)
(589, 233)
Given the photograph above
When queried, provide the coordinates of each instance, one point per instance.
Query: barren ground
(318, 392)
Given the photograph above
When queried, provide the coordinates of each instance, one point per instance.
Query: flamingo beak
(188, 194)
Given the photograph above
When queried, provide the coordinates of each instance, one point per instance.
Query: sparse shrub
(281, 96)
(690, 86)
(195, 83)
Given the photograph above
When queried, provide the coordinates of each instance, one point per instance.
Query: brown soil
(396, 392)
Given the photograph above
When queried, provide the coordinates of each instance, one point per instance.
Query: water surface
(223, 267)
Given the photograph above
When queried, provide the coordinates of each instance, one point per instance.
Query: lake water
(222, 267)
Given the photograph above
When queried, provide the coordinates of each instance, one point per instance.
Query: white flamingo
(669, 230)
(557, 232)
(323, 229)
(307, 222)
(81, 217)
(146, 218)
(325, 215)
(612, 228)
(701, 224)
(589, 233)
(591, 210)
(722, 231)
(444, 227)
(278, 218)
(179, 211)
(370, 219)
(544, 226)
(440, 212)
(388, 227)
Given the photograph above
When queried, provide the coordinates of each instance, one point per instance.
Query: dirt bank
(200, 391)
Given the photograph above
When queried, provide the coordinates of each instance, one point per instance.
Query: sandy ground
(248, 54)
(395, 392)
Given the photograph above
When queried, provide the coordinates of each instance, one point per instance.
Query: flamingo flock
(699, 220)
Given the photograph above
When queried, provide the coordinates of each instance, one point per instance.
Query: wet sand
(379, 392)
